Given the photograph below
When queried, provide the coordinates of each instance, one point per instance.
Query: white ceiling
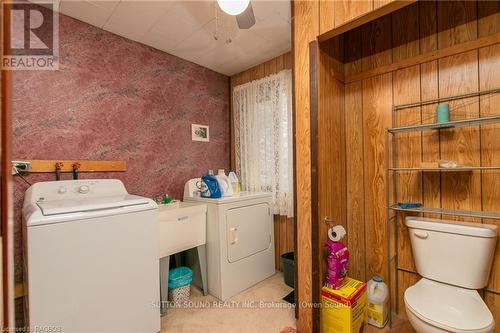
(186, 29)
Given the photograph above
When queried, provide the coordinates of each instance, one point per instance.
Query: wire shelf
(443, 211)
(457, 169)
(450, 124)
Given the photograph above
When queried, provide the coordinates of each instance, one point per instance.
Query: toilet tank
(456, 253)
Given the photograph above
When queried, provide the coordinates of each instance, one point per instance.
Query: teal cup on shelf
(442, 113)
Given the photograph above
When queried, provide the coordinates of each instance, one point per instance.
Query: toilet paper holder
(328, 221)
(335, 232)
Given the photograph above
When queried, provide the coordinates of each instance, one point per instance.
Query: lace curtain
(263, 138)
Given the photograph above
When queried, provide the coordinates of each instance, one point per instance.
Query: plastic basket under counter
(179, 282)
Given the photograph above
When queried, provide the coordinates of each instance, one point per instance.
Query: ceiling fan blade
(246, 20)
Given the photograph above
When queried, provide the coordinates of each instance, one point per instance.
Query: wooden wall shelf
(363, 19)
(46, 166)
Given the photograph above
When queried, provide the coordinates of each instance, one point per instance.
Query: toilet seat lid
(448, 307)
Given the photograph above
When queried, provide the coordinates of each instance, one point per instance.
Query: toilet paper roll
(336, 233)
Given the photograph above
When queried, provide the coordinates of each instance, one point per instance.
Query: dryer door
(248, 231)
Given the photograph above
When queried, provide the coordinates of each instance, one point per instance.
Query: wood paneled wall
(283, 226)
(309, 19)
(336, 13)
(305, 22)
(327, 155)
(385, 67)
(283, 237)
(426, 50)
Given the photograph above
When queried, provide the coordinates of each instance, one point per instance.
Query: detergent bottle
(235, 182)
(378, 297)
(338, 257)
(224, 184)
(211, 186)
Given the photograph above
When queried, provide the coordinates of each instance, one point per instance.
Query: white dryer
(240, 240)
(91, 256)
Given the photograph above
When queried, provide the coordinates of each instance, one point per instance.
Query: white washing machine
(91, 256)
(240, 240)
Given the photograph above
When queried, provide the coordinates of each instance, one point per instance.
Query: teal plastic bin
(179, 282)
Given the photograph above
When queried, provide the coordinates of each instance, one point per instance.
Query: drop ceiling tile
(264, 8)
(132, 19)
(161, 42)
(181, 20)
(247, 37)
(229, 68)
(199, 43)
(196, 53)
(273, 49)
(202, 48)
(85, 11)
(245, 46)
(273, 28)
(107, 5)
(186, 29)
(223, 54)
(193, 13)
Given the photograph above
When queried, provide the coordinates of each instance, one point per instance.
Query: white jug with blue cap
(224, 184)
(378, 297)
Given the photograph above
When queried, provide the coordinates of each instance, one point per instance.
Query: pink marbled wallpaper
(115, 99)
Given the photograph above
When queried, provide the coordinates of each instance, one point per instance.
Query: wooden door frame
(296, 283)
(6, 183)
(304, 279)
(315, 219)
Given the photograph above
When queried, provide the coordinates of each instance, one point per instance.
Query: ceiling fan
(242, 9)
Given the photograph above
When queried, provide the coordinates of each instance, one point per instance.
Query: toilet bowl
(454, 260)
(434, 307)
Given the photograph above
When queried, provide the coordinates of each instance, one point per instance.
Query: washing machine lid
(450, 308)
(58, 207)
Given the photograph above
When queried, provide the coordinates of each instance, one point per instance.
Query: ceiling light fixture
(233, 7)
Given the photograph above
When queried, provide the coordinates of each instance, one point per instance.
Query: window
(263, 138)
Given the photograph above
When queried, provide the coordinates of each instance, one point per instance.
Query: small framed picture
(199, 133)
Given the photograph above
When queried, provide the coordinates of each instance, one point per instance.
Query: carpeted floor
(258, 309)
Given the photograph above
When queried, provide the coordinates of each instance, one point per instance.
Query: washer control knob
(84, 189)
(62, 190)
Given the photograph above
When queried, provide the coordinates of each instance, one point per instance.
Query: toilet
(454, 260)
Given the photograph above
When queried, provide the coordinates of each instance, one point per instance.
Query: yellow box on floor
(344, 310)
